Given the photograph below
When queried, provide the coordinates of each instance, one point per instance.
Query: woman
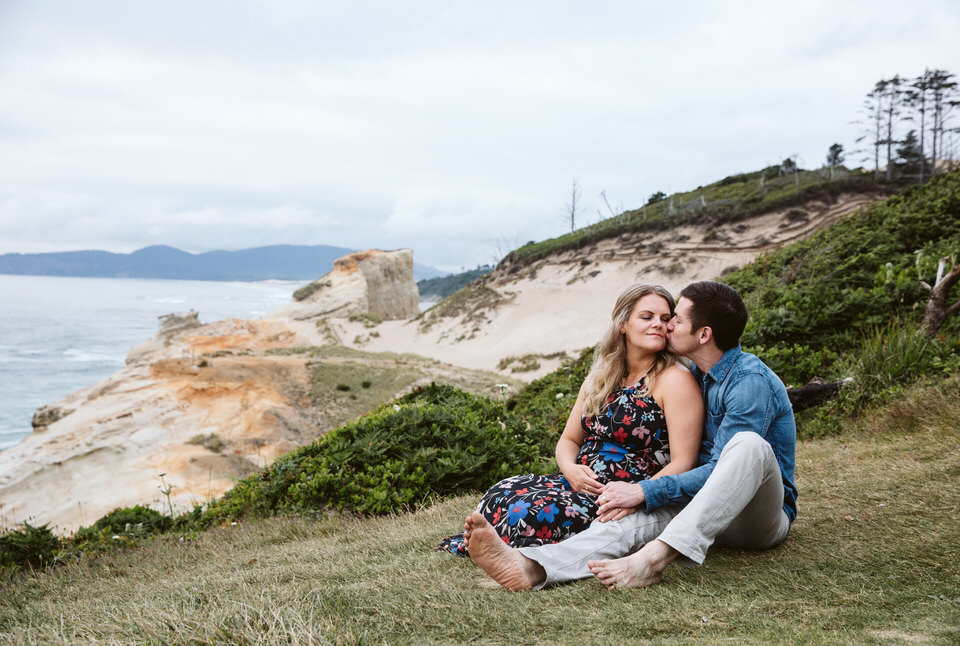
(617, 430)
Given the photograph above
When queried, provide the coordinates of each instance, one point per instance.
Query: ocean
(58, 335)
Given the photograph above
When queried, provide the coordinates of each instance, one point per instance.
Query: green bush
(797, 364)
(309, 289)
(545, 403)
(823, 293)
(437, 441)
(29, 547)
(131, 522)
(891, 357)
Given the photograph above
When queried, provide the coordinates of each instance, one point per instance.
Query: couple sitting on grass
(634, 495)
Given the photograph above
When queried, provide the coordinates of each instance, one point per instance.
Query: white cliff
(379, 283)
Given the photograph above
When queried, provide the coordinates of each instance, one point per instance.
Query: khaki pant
(740, 505)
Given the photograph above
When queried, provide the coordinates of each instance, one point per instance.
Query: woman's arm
(679, 396)
(580, 477)
(682, 406)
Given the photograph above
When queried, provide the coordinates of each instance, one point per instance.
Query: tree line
(908, 122)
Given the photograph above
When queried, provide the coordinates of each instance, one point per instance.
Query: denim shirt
(742, 394)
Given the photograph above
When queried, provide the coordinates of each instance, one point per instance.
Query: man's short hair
(718, 307)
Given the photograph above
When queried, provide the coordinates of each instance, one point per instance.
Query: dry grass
(873, 558)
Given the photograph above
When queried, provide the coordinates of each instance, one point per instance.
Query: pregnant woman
(639, 415)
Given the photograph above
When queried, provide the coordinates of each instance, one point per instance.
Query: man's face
(681, 337)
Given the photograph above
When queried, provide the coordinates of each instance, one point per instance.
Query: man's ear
(706, 335)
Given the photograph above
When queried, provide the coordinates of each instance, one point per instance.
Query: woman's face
(646, 328)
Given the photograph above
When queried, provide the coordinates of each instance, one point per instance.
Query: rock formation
(379, 283)
(170, 326)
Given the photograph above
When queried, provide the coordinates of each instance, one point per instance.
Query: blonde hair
(610, 358)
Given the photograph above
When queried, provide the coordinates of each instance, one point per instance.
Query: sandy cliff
(562, 303)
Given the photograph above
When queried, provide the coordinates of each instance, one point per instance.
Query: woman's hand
(615, 513)
(618, 499)
(582, 479)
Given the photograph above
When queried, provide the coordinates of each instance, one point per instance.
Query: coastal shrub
(368, 320)
(308, 290)
(133, 521)
(439, 440)
(891, 357)
(825, 292)
(545, 404)
(797, 364)
(29, 547)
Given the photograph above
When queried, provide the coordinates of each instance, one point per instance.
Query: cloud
(444, 127)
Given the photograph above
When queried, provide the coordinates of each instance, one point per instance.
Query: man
(742, 494)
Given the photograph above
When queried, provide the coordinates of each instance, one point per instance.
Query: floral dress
(626, 441)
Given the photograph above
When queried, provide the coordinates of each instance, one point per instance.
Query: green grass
(731, 199)
(872, 559)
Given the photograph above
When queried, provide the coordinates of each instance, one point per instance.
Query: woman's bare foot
(638, 570)
(502, 563)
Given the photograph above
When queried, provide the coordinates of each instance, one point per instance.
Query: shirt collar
(721, 368)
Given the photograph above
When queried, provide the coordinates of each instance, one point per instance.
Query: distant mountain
(279, 262)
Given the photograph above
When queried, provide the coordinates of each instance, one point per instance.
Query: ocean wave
(77, 354)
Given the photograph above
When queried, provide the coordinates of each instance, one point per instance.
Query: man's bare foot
(502, 563)
(638, 570)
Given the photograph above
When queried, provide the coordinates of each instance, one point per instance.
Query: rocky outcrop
(170, 326)
(208, 406)
(375, 282)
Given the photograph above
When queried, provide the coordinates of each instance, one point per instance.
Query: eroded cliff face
(206, 405)
(375, 282)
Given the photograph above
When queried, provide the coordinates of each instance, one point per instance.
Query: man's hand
(618, 499)
(583, 479)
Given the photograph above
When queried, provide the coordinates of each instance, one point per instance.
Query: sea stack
(375, 282)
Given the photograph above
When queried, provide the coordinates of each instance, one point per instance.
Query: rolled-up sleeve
(748, 407)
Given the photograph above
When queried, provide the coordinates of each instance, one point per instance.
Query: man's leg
(740, 504)
(567, 560)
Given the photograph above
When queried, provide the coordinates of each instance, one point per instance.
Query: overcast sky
(453, 128)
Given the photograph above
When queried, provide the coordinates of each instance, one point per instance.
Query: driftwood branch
(816, 392)
(937, 309)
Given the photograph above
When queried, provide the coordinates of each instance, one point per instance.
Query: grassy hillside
(731, 199)
(818, 298)
(872, 559)
(877, 470)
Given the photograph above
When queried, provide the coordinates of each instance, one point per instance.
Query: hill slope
(549, 300)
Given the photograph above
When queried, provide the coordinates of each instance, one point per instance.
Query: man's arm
(747, 406)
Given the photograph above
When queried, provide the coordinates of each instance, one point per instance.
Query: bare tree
(893, 93)
(937, 308)
(917, 98)
(873, 107)
(613, 212)
(943, 91)
(572, 208)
